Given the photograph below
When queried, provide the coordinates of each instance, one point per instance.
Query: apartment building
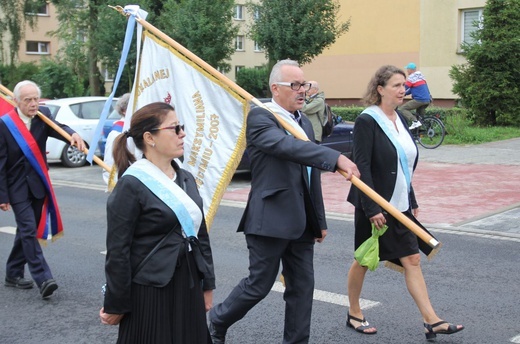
(427, 32)
(248, 53)
(38, 43)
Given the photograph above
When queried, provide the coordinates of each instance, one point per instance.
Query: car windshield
(88, 110)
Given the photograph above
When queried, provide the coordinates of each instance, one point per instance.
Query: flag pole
(427, 238)
(50, 123)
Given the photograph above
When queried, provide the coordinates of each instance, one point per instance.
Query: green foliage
(10, 75)
(299, 30)
(254, 81)
(203, 27)
(57, 80)
(460, 128)
(15, 15)
(488, 82)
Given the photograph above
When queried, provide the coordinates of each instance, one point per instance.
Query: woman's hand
(109, 319)
(208, 299)
(379, 220)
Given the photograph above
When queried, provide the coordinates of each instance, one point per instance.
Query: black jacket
(18, 179)
(137, 220)
(376, 159)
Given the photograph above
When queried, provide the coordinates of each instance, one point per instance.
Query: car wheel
(72, 157)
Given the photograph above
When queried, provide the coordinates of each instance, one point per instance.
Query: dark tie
(297, 117)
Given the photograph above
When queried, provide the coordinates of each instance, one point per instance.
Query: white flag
(213, 114)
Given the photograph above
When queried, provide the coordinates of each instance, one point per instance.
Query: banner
(213, 114)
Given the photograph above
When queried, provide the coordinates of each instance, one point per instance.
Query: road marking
(8, 230)
(325, 296)
(515, 339)
(79, 185)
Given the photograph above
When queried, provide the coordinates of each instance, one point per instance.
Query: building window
(239, 43)
(42, 10)
(257, 47)
(238, 68)
(471, 21)
(256, 14)
(106, 74)
(239, 12)
(42, 48)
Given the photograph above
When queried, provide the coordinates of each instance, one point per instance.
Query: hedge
(350, 113)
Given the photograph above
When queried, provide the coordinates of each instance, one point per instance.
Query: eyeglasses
(177, 128)
(295, 86)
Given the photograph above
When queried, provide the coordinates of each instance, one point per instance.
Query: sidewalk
(457, 187)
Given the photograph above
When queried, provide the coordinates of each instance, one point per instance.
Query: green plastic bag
(367, 254)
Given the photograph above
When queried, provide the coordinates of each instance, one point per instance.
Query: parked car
(107, 128)
(340, 139)
(82, 115)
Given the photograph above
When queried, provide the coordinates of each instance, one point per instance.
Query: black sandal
(361, 328)
(431, 334)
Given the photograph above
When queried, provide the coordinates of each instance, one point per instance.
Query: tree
(57, 80)
(13, 18)
(254, 81)
(488, 83)
(296, 29)
(203, 27)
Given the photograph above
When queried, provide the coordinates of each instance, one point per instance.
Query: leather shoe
(218, 334)
(18, 282)
(47, 288)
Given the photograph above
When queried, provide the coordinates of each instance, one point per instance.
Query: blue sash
(376, 114)
(186, 210)
(35, 157)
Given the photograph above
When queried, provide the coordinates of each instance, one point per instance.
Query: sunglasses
(177, 128)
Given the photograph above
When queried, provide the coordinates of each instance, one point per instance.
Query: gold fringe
(111, 179)
(57, 236)
(43, 242)
(393, 266)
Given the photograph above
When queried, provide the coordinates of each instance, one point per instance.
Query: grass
(461, 131)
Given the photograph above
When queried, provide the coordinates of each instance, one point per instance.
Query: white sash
(377, 114)
(186, 210)
(286, 117)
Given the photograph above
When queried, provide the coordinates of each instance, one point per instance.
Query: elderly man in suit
(25, 186)
(285, 215)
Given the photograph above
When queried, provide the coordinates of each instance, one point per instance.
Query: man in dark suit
(285, 214)
(23, 186)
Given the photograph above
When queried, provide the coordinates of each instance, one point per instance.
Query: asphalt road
(474, 280)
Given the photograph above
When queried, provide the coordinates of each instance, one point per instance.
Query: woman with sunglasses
(159, 266)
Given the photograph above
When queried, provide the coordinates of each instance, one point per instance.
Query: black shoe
(218, 334)
(18, 282)
(47, 288)
(431, 334)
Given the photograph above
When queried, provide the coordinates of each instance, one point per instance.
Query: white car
(82, 115)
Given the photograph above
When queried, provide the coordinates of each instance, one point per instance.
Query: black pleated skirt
(174, 314)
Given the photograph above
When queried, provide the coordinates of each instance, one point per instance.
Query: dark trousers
(265, 254)
(26, 248)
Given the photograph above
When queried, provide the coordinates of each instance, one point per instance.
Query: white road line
(79, 185)
(325, 296)
(515, 339)
(8, 230)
